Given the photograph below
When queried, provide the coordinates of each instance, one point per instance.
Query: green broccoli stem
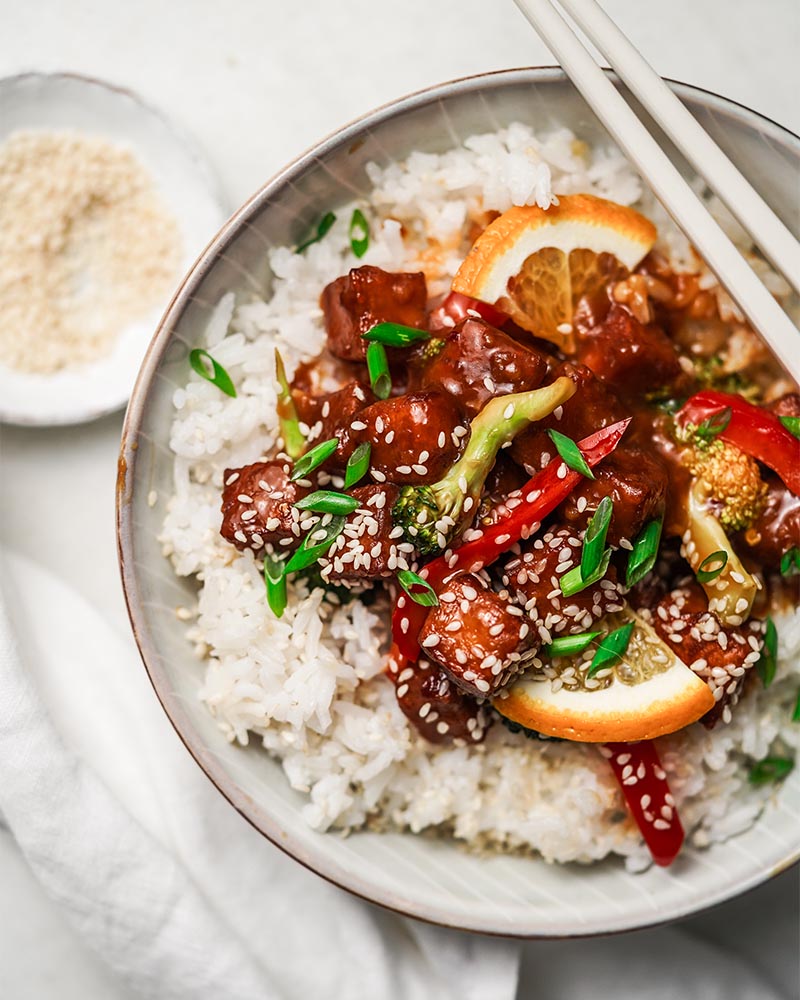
(496, 425)
(294, 442)
(704, 536)
(420, 510)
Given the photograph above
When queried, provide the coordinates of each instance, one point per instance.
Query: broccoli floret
(431, 515)
(732, 479)
(711, 374)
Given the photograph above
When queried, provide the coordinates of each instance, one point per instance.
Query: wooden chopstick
(688, 211)
(769, 234)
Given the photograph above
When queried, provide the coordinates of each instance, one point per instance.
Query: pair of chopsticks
(767, 231)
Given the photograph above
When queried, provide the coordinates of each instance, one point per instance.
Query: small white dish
(187, 186)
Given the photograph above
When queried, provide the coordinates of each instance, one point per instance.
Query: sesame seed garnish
(404, 470)
(431, 640)
(442, 440)
(378, 476)
(358, 425)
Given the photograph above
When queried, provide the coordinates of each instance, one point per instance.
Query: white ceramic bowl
(187, 185)
(430, 879)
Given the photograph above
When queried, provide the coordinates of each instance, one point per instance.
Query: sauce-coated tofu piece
(438, 710)
(257, 506)
(478, 362)
(414, 438)
(533, 578)
(474, 635)
(368, 295)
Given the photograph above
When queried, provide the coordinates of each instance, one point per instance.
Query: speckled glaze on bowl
(431, 879)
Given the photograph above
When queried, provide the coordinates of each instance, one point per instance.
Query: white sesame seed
(442, 440)
(431, 640)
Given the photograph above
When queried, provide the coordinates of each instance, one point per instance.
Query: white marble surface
(256, 81)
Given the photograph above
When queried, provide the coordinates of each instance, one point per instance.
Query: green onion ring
(570, 453)
(378, 367)
(218, 376)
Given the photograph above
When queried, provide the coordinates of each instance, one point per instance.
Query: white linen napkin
(177, 892)
(184, 900)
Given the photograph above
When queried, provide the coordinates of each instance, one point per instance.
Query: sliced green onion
(768, 661)
(418, 590)
(790, 562)
(293, 438)
(573, 583)
(357, 465)
(359, 233)
(706, 575)
(570, 453)
(715, 424)
(200, 359)
(378, 367)
(644, 553)
(594, 539)
(611, 649)
(315, 544)
(796, 712)
(275, 580)
(313, 458)
(324, 225)
(328, 502)
(770, 769)
(570, 645)
(792, 425)
(395, 334)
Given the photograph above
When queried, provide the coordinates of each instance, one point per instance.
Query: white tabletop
(257, 81)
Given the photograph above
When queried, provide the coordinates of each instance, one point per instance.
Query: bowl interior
(423, 877)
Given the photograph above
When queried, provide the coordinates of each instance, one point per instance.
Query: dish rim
(251, 811)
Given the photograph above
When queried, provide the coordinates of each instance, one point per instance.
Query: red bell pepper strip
(542, 494)
(456, 307)
(752, 429)
(644, 784)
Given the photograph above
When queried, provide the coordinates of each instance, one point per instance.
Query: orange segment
(651, 693)
(535, 265)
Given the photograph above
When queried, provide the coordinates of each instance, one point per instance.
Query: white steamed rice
(310, 686)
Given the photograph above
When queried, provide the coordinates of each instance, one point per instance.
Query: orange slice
(535, 265)
(650, 693)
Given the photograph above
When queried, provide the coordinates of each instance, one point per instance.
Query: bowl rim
(316, 860)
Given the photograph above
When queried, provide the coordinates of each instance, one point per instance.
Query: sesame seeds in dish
(462, 575)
